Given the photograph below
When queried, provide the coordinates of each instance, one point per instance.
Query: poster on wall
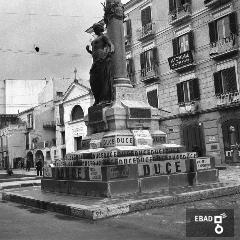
(47, 172)
(95, 173)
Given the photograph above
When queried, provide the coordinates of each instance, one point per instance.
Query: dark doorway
(193, 139)
(77, 143)
(30, 159)
(227, 137)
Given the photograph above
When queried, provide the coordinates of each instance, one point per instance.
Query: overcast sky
(57, 27)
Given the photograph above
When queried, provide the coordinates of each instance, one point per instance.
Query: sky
(57, 27)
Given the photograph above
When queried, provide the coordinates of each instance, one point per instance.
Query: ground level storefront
(211, 133)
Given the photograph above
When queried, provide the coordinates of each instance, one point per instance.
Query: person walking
(28, 165)
(39, 167)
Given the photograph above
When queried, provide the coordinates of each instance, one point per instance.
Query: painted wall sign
(47, 172)
(203, 163)
(77, 132)
(174, 156)
(95, 173)
(162, 168)
(134, 160)
(117, 141)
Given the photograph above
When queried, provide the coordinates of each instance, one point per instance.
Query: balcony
(215, 3)
(146, 32)
(49, 125)
(149, 74)
(180, 15)
(181, 62)
(228, 99)
(224, 48)
(188, 108)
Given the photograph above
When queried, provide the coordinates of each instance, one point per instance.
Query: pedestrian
(22, 164)
(39, 167)
(28, 165)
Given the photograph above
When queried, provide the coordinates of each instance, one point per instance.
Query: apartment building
(185, 54)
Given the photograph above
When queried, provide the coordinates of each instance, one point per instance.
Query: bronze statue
(101, 77)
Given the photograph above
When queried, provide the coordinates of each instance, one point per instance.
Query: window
(183, 43)
(127, 28)
(188, 91)
(48, 155)
(63, 137)
(63, 153)
(223, 27)
(61, 114)
(178, 4)
(225, 81)
(130, 70)
(146, 16)
(27, 141)
(148, 60)
(152, 97)
(59, 94)
(77, 113)
(29, 120)
(78, 143)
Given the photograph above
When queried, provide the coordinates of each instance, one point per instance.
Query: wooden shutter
(191, 40)
(146, 16)
(218, 83)
(175, 46)
(61, 114)
(233, 22)
(155, 56)
(172, 6)
(180, 93)
(129, 27)
(213, 31)
(153, 98)
(142, 60)
(229, 80)
(194, 89)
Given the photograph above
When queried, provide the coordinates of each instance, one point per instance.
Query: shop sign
(95, 173)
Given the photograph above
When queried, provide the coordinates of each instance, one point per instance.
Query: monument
(124, 151)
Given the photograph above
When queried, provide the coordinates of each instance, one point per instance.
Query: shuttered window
(183, 43)
(146, 16)
(188, 91)
(223, 27)
(127, 28)
(153, 98)
(149, 59)
(225, 81)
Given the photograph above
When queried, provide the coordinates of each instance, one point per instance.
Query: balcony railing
(146, 32)
(227, 99)
(188, 108)
(180, 14)
(49, 125)
(149, 73)
(215, 3)
(224, 46)
(181, 61)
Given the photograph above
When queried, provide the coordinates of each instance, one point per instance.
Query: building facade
(186, 54)
(70, 113)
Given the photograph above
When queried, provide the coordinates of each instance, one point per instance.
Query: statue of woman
(101, 71)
